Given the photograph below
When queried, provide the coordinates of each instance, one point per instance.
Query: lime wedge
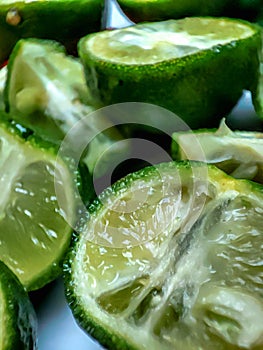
(171, 258)
(18, 323)
(37, 207)
(176, 64)
(46, 92)
(44, 88)
(238, 153)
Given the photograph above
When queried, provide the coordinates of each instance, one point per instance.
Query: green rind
(86, 320)
(64, 21)
(20, 318)
(84, 317)
(194, 87)
(157, 10)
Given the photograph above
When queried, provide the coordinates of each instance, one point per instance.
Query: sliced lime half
(171, 258)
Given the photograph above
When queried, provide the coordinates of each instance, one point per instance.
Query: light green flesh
(33, 226)
(193, 286)
(154, 42)
(238, 153)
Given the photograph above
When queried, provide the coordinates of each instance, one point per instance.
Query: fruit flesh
(166, 40)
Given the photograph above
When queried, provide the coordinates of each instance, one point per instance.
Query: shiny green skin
(19, 315)
(192, 86)
(156, 10)
(64, 21)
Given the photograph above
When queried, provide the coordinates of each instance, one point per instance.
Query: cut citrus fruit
(170, 258)
(176, 64)
(37, 206)
(45, 88)
(18, 323)
(152, 10)
(64, 21)
(46, 92)
(238, 153)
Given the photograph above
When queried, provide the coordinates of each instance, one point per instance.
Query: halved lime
(238, 153)
(170, 258)
(37, 207)
(18, 323)
(195, 67)
(65, 21)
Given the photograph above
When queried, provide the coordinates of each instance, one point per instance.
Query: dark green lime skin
(192, 87)
(157, 10)
(64, 21)
(21, 319)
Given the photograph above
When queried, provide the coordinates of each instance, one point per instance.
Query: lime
(46, 92)
(37, 206)
(65, 21)
(238, 153)
(156, 10)
(176, 64)
(170, 258)
(45, 88)
(18, 320)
